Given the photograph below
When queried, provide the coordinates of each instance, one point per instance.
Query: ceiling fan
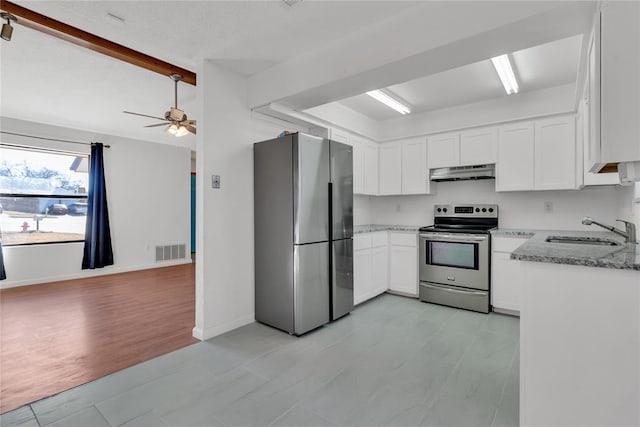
(175, 119)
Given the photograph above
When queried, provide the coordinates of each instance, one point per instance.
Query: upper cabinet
(403, 167)
(539, 155)
(365, 161)
(390, 168)
(614, 67)
(470, 147)
(415, 175)
(443, 150)
(555, 154)
(514, 169)
(371, 175)
(478, 146)
(358, 164)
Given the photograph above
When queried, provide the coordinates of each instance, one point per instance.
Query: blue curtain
(97, 240)
(3, 274)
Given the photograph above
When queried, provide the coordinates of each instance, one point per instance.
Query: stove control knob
(477, 209)
(444, 210)
(439, 209)
(490, 209)
(484, 209)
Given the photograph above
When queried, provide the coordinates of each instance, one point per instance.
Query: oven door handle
(454, 237)
(458, 291)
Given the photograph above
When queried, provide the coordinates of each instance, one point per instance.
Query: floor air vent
(169, 252)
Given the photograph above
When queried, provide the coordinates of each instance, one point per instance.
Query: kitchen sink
(582, 241)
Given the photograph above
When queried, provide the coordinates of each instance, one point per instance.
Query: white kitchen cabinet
(415, 175)
(390, 168)
(555, 153)
(370, 265)
(614, 67)
(403, 263)
(514, 167)
(479, 146)
(358, 164)
(506, 274)
(371, 168)
(362, 274)
(379, 269)
(582, 146)
(443, 150)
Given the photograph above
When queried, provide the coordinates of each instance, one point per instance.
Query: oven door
(455, 259)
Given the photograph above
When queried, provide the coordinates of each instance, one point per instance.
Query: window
(43, 196)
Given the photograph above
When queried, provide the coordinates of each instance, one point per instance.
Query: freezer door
(342, 278)
(311, 286)
(342, 190)
(311, 173)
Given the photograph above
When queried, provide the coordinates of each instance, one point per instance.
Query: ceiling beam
(52, 27)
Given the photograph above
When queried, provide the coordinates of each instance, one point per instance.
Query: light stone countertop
(625, 256)
(372, 228)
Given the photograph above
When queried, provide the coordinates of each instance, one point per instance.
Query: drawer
(379, 239)
(404, 239)
(361, 241)
(507, 244)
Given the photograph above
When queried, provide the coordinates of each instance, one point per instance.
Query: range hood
(463, 172)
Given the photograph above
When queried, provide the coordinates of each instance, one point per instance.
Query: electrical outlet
(215, 181)
(398, 208)
(548, 207)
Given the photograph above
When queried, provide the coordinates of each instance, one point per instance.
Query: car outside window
(43, 195)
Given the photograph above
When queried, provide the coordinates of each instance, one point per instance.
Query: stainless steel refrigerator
(303, 219)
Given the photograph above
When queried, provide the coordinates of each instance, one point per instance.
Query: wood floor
(59, 335)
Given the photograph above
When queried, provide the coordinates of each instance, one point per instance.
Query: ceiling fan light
(182, 131)
(172, 129)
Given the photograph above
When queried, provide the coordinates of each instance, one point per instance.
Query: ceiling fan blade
(189, 122)
(156, 125)
(191, 129)
(145, 115)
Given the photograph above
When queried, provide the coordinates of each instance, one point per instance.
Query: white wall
(224, 217)
(148, 198)
(517, 209)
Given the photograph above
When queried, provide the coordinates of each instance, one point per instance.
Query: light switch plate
(215, 181)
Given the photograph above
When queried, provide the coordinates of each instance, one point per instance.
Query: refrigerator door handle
(330, 206)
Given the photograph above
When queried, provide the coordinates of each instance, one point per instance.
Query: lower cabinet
(384, 261)
(506, 275)
(403, 263)
(370, 265)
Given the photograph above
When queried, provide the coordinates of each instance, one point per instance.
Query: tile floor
(394, 361)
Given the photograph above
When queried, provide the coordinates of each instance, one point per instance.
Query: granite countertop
(514, 232)
(371, 228)
(625, 256)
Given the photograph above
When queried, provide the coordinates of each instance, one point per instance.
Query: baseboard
(91, 273)
(213, 331)
(507, 311)
(401, 294)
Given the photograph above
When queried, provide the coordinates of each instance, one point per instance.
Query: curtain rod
(51, 139)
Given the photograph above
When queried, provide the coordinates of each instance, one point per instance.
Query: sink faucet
(630, 228)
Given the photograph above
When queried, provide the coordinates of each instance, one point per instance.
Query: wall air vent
(170, 252)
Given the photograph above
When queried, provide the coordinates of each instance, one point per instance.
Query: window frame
(84, 196)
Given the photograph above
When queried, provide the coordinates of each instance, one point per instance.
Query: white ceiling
(539, 67)
(247, 36)
(46, 80)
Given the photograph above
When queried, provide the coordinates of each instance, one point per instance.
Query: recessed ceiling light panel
(505, 72)
(389, 101)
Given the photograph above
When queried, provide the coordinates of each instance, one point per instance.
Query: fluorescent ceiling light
(389, 101)
(505, 72)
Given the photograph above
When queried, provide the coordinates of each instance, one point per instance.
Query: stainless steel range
(455, 256)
